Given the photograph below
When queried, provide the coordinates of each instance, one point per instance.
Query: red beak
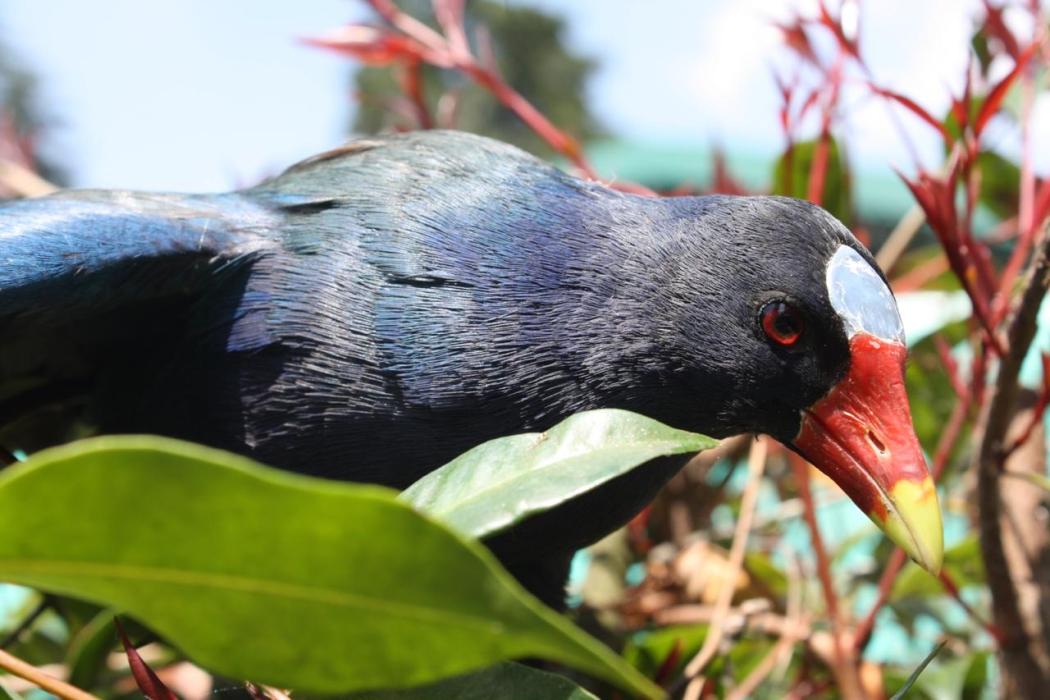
(860, 434)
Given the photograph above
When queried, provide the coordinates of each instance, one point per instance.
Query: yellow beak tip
(913, 522)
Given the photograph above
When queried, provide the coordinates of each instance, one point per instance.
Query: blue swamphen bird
(376, 310)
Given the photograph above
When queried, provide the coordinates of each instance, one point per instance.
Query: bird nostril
(876, 442)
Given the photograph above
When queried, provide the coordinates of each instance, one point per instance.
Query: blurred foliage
(20, 103)
(791, 176)
(529, 48)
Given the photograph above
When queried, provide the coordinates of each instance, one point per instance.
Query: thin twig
(796, 627)
(952, 589)
(1020, 664)
(16, 667)
(756, 464)
(842, 657)
(26, 623)
(893, 567)
(901, 235)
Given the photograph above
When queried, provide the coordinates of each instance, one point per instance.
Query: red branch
(408, 41)
(953, 590)
(1036, 417)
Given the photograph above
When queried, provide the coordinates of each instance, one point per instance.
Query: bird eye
(782, 323)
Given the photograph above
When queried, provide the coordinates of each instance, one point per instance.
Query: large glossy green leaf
(507, 681)
(274, 577)
(504, 481)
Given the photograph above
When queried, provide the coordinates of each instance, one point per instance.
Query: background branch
(1027, 677)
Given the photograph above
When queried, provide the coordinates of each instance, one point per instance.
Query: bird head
(800, 338)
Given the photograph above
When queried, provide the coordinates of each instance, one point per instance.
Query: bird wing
(92, 279)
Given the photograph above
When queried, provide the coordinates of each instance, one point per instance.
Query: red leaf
(449, 15)
(913, 107)
(994, 26)
(818, 171)
(786, 90)
(809, 102)
(148, 682)
(1042, 203)
(834, 25)
(936, 196)
(997, 93)
(796, 39)
(722, 181)
(376, 46)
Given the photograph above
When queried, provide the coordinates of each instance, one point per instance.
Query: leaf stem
(26, 671)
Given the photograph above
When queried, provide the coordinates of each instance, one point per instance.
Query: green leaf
(975, 682)
(762, 568)
(89, 649)
(792, 170)
(962, 562)
(504, 481)
(961, 678)
(508, 681)
(1000, 184)
(979, 44)
(271, 576)
(917, 672)
(649, 650)
(6, 694)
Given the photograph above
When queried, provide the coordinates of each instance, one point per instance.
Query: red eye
(782, 323)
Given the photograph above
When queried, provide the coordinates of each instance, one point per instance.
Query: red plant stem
(975, 250)
(953, 590)
(819, 168)
(1026, 195)
(896, 562)
(959, 259)
(823, 562)
(449, 15)
(1029, 213)
(411, 76)
(818, 171)
(456, 49)
(844, 667)
(408, 24)
(1036, 417)
(862, 634)
(978, 373)
(669, 663)
(940, 212)
(1013, 267)
(957, 254)
(951, 367)
(512, 99)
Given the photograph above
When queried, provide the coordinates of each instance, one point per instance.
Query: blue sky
(206, 94)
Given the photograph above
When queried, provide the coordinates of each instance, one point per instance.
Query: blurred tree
(22, 119)
(528, 47)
